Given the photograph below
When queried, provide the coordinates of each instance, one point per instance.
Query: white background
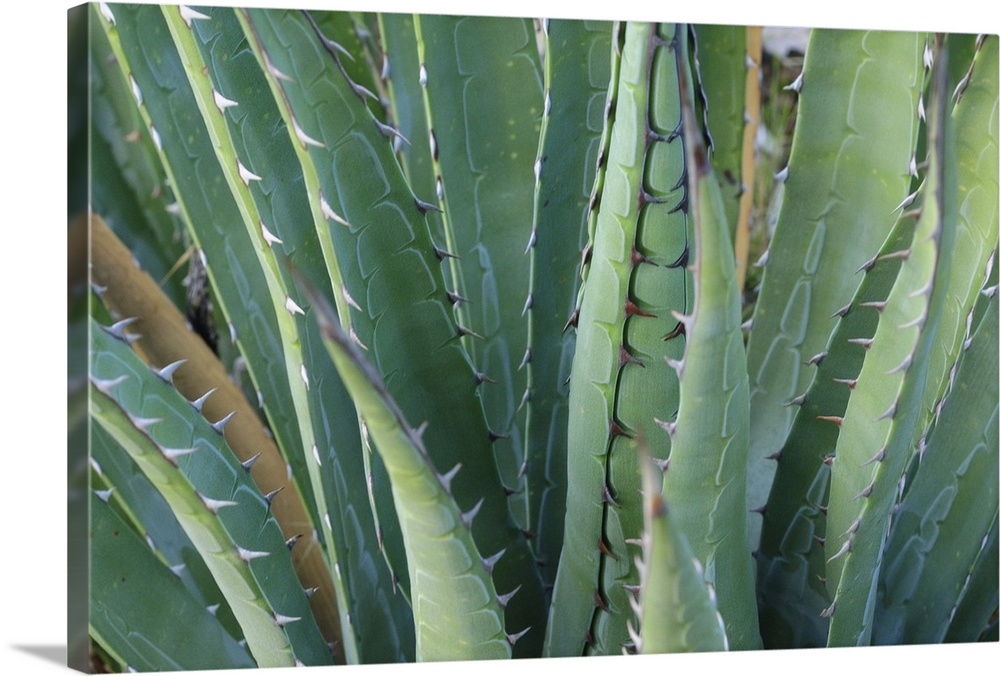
(32, 358)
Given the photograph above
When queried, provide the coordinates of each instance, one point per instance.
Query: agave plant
(426, 338)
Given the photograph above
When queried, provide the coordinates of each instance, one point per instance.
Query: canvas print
(422, 338)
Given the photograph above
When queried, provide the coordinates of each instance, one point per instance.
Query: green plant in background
(473, 377)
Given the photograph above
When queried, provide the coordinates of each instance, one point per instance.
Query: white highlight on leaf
(215, 505)
(303, 137)
(354, 337)
(348, 299)
(156, 137)
(246, 174)
(247, 555)
(328, 211)
(221, 102)
(305, 375)
(190, 15)
(268, 236)
(136, 92)
(274, 71)
(106, 13)
(282, 620)
(293, 307)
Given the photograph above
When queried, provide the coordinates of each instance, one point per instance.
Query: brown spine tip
(842, 312)
(638, 257)
(633, 309)
(441, 254)
(816, 359)
(797, 401)
(836, 419)
(494, 436)
(678, 330)
(616, 430)
(682, 260)
(626, 357)
(573, 320)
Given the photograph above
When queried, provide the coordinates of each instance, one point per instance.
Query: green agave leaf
(406, 104)
(258, 238)
(391, 270)
(849, 169)
(720, 54)
(676, 607)
(578, 61)
(260, 318)
(880, 421)
(950, 505)
(212, 496)
(334, 465)
(621, 384)
(977, 132)
(170, 111)
(456, 609)
(791, 561)
(351, 31)
(482, 91)
(976, 611)
(139, 503)
(129, 184)
(126, 581)
(704, 478)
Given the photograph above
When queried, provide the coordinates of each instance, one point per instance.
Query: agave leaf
(705, 482)
(978, 606)
(881, 417)
(720, 57)
(334, 464)
(232, 255)
(138, 502)
(126, 579)
(456, 609)
(129, 185)
(791, 561)
(259, 235)
(677, 607)
(392, 270)
(577, 71)
(949, 508)
(482, 90)
(978, 219)
(213, 497)
(406, 103)
(352, 34)
(855, 138)
(635, 280)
